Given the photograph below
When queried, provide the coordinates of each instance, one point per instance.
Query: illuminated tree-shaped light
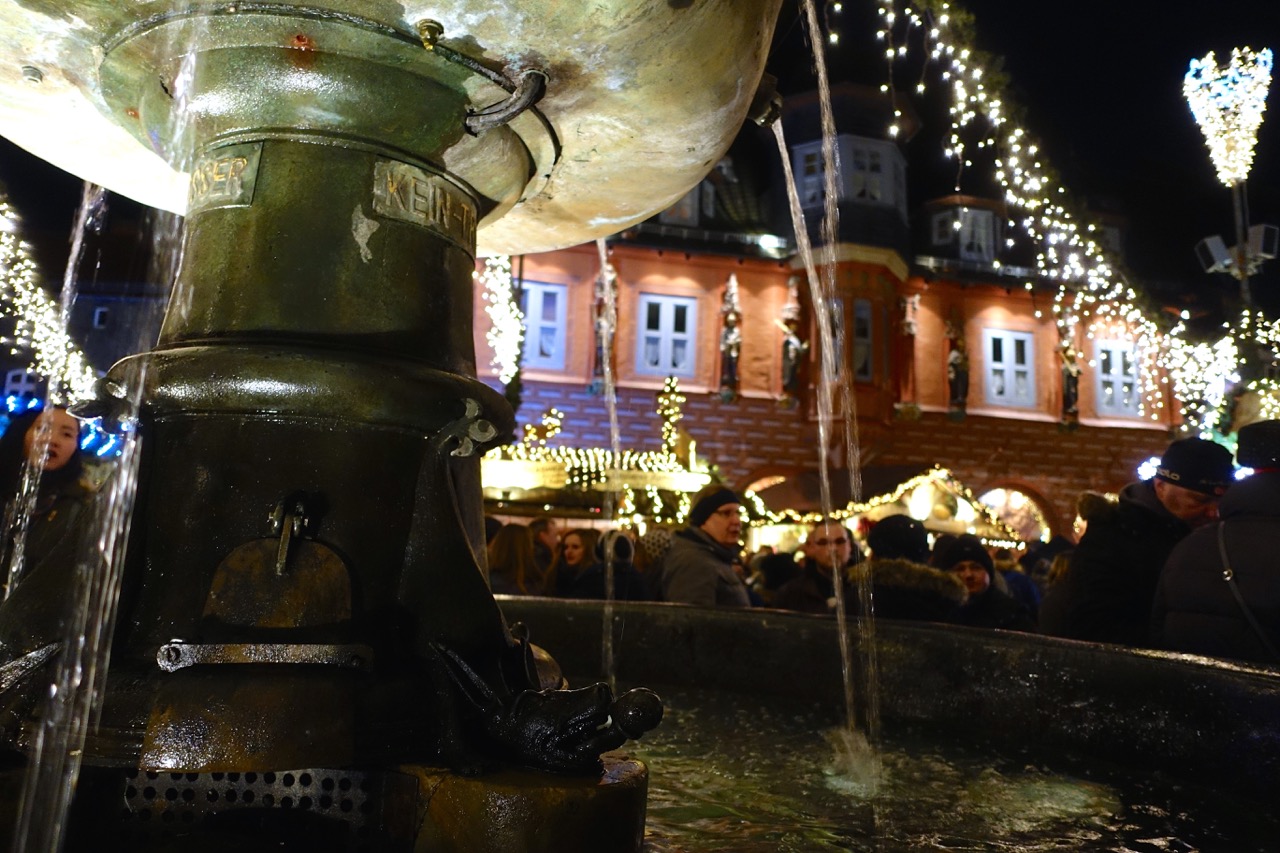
(669, 403)
(506, 334)
(39, 327)
(1228, 103)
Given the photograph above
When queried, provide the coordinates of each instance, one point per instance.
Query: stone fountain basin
(1194, 718)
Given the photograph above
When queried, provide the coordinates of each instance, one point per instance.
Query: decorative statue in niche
(905, 356)
(793, 353)
(957, 372)
(730, 341)
(1070, 382)
(730, 350)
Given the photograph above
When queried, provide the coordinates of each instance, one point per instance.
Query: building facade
(951, 349)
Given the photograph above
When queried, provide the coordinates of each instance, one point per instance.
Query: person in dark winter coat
(42, 576)
(628, 584)
(1108, 590)
(698, 568)
(987, 606)
(1195, 610)
(828, 546)
(62, 492)
(903, 586)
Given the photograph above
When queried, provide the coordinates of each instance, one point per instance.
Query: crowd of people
(1180, 561)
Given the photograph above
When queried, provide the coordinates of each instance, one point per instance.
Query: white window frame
(535, 294)
(1111, 376)
(664, 342)
(867, 175)
(21, 383)
(101, 315)
(1009, 381)
(977, 235)
(810, 175)
(863, 341)
(945, 226)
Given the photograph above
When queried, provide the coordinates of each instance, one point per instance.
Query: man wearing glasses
(699, 566)
(828, 552)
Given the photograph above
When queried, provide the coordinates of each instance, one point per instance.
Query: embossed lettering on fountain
(225, 177)
(410, 194)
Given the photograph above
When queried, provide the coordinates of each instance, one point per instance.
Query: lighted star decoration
(506, 330)
(39, 325)
(1228, 102)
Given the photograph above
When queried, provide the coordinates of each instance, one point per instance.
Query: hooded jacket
(1194, 609)
(1107, 593)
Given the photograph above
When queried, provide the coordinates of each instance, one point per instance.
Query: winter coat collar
(698, 538)
(1258, 495)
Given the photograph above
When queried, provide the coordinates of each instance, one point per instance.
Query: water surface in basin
(730, 772)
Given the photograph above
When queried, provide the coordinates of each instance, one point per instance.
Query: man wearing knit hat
(1196, 609)
(987, 607)
(698, 567)
(1107, 593)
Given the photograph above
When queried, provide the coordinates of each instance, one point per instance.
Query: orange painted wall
(755, 436)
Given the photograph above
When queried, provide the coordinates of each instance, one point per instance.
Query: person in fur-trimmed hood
(1108, 590)
(903, 587)
(1195, 609)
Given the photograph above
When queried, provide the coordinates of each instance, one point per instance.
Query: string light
(664, 480)
(1228, 103)
(506, 331)
(38, 323)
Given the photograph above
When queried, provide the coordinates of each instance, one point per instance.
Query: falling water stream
(854, 753)
(72, 706)
(73, 701)
(608, 325)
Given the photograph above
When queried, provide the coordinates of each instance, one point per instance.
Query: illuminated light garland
(1228, 103)
(762, 515)
(587, 468)
(38, 322)
(506, 332)
(1068, 249)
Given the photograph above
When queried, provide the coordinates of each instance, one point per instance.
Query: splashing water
(822, 296)
(608, 324)
(89, 217)
(79, 662)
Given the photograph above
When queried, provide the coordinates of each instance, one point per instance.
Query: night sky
(1099, 83)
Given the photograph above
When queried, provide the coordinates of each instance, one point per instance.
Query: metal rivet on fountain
(429, 31)
(32, 74)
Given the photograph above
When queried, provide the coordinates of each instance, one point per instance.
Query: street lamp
(1228, 103)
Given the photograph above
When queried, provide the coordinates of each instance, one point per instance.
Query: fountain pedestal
(304, 585)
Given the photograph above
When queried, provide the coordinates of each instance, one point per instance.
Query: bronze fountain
(304, 591)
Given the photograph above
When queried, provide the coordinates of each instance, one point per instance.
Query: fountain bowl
(1190, 717)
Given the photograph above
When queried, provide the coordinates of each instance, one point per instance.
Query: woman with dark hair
(511, 562)
(51, 441)
(574, 553)
(617, 548)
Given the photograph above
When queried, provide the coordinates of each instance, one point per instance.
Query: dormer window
(872, 173)
(972, 230)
